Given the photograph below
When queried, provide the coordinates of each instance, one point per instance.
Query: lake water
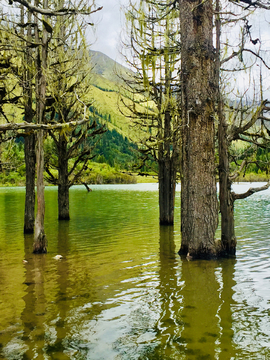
(121, 291)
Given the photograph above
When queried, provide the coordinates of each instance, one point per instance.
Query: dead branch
(32, 126)
(60, 12)
(250, 192)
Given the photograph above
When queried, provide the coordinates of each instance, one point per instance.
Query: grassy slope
(106, 81)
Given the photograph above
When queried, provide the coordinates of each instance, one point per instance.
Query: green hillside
(106, 80)
(117, 149)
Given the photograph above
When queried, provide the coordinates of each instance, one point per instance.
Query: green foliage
(105, 174)
(116, 150)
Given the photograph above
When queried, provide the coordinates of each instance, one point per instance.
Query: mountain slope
(107, 68)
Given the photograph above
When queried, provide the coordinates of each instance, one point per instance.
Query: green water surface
(121, 291)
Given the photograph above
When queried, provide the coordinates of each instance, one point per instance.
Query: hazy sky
(109, 24)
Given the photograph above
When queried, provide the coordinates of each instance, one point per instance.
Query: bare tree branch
(32, 126)
(60, 12)
(250, 192)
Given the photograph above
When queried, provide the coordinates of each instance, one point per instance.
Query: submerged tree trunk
(226, 200)
(63, 182)
(40, 243)
(29, 144)
(199, 208)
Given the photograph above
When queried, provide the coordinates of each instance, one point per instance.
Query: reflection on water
(121, 291)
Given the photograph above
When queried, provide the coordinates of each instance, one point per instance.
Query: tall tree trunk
(29, 145)
(40, 245)
(199, 208)
(63, 182)
(226, 200)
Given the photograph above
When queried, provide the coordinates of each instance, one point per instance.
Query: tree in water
(153, 88)
(69, 100)
(199, 206)
(242, 124)
(30, 139)
(200, 72)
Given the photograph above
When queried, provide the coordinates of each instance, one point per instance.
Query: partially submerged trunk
(29, 144)
(226, 198)
(63, 182)
(199, 207)
(40, 245)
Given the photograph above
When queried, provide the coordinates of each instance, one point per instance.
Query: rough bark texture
(30, 163)
(63, 182)
(199, 210)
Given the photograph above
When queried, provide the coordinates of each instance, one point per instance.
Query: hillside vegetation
(116, 153)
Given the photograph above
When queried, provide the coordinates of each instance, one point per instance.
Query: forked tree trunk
(63, 182)
(199, 208)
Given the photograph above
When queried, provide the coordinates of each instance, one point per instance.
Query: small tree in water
(153, 88)
(69, 100)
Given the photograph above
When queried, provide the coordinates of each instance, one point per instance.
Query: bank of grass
(151, 178)
(253, 177)
(105, 174)
(95, 174)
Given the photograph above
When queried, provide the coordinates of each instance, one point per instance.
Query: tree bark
(166, 192)
(30, 171)
(40, 242)
(226, 200)
(29, 144)
(63, 182)
(166, 176)
(199, 208)
(167, 170)
(40, 245)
